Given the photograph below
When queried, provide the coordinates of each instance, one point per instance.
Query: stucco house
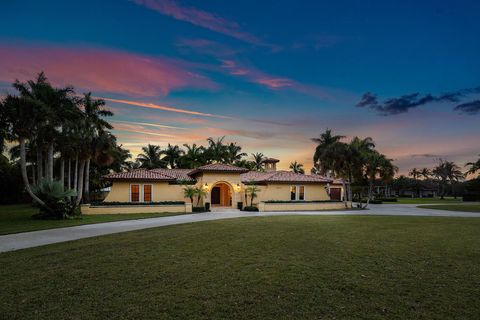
(225, 187)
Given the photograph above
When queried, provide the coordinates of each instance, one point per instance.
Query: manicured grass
(426, 200)
(455, 207)
(18, 218)
(284, 267)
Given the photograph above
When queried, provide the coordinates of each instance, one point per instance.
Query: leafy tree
(425, 173)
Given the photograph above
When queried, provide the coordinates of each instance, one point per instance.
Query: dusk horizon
(268, 76)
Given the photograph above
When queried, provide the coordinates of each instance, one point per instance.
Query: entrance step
(223, 209)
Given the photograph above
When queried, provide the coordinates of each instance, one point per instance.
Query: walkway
(43, 237)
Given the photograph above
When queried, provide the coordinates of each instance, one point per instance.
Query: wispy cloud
(147, 124)
(101, 70)
(165, 108)
(205, 47)
(202, 19)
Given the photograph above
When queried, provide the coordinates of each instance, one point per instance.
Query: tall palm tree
(258, 159)
(324, 141)
(448, 173)
(193, 156)
(172, 155)
(19, 115)
(425, 173)
(474, 167)
(233, 153)
(217, 151)
(415, 173)
(297, 167)
(151, 157)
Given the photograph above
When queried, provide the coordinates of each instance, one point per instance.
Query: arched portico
(221, 195)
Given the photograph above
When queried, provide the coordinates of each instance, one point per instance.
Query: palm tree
(150, 158)
(94, 111)
(193, 157)
(258, 159)
(19, 114)
(378, 165)
(172, 155)
(447, 172)
(425, 173)
(414, 173)
(297, 167)
(474, 167)
(200, 193)
(217, 151)
(325, 140)
(252, 191)
(233, 153)
(189, 192)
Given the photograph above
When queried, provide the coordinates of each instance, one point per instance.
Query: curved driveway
(43, 237)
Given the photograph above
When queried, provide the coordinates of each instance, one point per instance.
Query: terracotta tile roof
(281, 177)
(178, 174)
(139, 174)
(270, 160)
(218, 167)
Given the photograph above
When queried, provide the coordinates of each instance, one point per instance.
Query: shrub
(392, 199)
(250, 208)
(239, 205)
(207, 206)
(300, 201)
(115, 203)
(199, 209)
(471, 197)
(57, 200)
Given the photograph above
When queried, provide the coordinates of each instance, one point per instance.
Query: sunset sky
(269, 75)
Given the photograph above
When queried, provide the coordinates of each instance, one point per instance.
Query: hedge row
(115, 203)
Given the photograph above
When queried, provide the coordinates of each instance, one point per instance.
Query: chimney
(270, 164)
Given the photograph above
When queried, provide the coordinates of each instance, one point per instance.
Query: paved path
(43, 237)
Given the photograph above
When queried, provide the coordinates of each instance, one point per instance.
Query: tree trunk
(34, 181)
(49, 168)
(62, 173)
(69, 177)
(23, 167)
(39, 165)
(344, 195)
(80, 182)
(87, 182)
(75, 175)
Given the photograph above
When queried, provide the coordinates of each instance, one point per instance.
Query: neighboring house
(225, 185)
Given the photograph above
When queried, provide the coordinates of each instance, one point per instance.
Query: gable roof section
(217, 167)
(178, 174)
(140, 175)
(281, 177)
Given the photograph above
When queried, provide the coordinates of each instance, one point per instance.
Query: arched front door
(221, 195)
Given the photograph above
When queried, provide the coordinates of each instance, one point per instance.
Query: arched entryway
(221, 195)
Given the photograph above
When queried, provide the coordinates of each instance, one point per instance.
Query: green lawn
(427, 200)
(455, 207)
(286, 267)
(18, 218)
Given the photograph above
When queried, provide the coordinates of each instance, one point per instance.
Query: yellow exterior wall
(281, 191)
(161, 191)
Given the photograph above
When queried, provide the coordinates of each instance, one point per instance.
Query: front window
(135, 193)
(297, 193)
(147, 193)
(293, 193)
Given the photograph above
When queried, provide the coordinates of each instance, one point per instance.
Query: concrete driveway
(43, 237)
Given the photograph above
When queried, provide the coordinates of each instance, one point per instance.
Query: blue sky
(268, 74)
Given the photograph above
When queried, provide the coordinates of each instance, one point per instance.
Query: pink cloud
(201, 18)
(101, 70)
